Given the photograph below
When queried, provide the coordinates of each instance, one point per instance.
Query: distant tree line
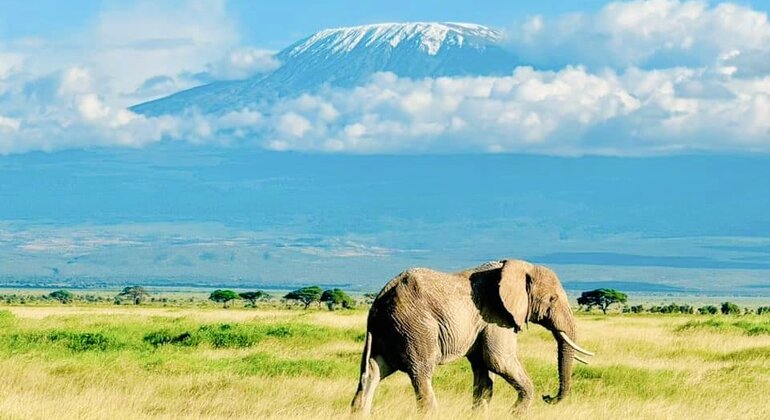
(136, 295)
(605, 298)
(305, 296)
(334, 298)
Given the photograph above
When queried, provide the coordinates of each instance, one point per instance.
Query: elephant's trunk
(566, 360)
(566, 354)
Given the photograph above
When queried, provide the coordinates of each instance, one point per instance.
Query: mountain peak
(430, 36)
(347, 57)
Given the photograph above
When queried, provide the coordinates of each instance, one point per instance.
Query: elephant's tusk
(574, 345)
(580, 359)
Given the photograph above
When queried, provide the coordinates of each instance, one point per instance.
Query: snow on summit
(430, 36)
(348, 57)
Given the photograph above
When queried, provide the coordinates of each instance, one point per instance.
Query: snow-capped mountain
(348, 57)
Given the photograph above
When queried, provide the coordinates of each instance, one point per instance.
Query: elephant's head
(532, 293)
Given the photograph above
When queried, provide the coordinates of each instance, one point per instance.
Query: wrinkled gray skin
(423, 318)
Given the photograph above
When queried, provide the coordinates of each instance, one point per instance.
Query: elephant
(422, 318)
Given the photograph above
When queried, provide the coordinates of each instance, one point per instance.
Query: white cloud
(292, 125)
(9, 124)
(243, 63)
(635, 78)
(660, 33)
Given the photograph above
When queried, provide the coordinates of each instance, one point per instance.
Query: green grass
(210, 363)
(749, 325)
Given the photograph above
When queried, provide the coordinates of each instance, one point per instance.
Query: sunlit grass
(94, 363)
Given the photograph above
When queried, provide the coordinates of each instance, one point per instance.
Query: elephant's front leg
(513, 372)
(500, 357)
(482, 382)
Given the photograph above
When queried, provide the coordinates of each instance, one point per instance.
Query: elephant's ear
(514, 291)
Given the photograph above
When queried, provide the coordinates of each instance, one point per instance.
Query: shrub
(164, 337)
(80, 342)
(227, 336)
(186, 339)
(158, 338)
(708, 310)
(279, 332)
(231, 339)
(62, 296)
(729, 308)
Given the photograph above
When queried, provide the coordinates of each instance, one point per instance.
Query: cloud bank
(634, 78)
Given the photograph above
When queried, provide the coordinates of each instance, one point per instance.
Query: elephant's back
(422, 284)
(429, 307)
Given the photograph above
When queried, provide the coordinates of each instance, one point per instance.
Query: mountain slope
(348, 57)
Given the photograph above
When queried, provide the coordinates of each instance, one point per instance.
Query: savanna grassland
(96, 362)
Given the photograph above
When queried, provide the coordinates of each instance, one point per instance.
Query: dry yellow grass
(645, 368)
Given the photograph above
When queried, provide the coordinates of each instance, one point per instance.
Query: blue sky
(274, 24)
(630, 143)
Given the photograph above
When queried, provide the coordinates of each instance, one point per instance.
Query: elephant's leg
(377, 369)
(423, 389)
(512, 371)
(482, 382)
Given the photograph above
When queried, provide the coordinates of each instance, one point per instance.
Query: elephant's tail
(367, 355)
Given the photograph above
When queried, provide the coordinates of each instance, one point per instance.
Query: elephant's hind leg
(376, 370)
(423, 389)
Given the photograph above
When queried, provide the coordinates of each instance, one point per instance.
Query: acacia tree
(62, 296)
(135, 293)
(253, 297)
(223, 296)
(306, 295)
(337, 297)
(602, 298)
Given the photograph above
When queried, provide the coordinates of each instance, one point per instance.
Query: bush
(637, 309)
(62, 296)
(158, 338)
(708, 310)
(729, 308)
(164, 337)
(231, 339)
(763, 310)
(227, 336)
(89, 341)
(279, 332)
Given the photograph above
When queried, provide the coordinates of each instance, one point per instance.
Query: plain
(95, 362)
